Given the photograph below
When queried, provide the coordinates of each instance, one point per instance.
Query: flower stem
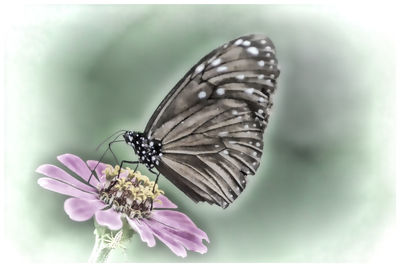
(100, 251)
(106, 240)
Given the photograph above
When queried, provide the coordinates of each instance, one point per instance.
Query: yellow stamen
(131, 194)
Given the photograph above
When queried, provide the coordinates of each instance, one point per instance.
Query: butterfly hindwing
(211, 124)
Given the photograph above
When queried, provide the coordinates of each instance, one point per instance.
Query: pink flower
(108, 199)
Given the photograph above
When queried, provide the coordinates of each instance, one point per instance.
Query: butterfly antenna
(109, 148)
(108, 138)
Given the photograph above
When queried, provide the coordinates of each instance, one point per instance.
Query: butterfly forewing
(211, 124)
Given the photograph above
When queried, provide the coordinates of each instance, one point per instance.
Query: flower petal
(99, 169)
(78, 166)
(165, 203)
(166, 237)
(143, 230)
(109, 218)
(63, 188)
(178, 220)
(82, 209)
(60, 174)
(189, 240)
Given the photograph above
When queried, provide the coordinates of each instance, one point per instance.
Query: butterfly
(206, 136)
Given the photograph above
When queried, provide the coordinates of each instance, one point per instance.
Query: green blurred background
(325, 191)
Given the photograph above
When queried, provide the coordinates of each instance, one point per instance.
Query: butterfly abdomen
(148, 150)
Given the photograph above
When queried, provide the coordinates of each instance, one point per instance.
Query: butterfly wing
(212, 122)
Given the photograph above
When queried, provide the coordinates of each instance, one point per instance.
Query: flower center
(131, 193)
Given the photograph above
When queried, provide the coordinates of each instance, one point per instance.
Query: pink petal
(189, 240)
(178, 220)
(82, 209)
(60, 174)
(78, 166)
(109, 218)
(143, 230)
(166, 238)
(165, 203)
(63, 188)
(99, 169)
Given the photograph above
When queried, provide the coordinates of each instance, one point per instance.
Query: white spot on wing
(249, 91)
(261, 63)
(222, 68)
(253, 50)
(200, 68)
(246, 43)
(238, 41)
(260, 77)
(216, 62)
(263, 41)
(234, 112)
(202, 94)
(220, 91)
(240, 77)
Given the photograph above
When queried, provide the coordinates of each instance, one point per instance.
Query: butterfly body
(207, 133)
(147, 150)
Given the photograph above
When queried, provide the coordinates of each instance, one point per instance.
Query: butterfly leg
(154, 187)
(158, 175)
(119, 171)
(127, 161)
(112, 152)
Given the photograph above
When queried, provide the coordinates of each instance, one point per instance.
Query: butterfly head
(131, 138)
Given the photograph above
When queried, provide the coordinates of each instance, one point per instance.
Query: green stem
(100, 251)
(106, 240)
